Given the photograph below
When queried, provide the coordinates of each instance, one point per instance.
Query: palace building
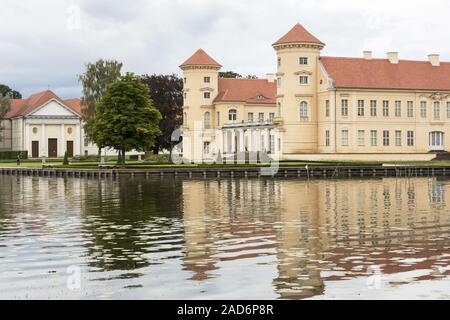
(318, 107)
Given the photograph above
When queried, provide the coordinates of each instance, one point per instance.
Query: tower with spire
(200, 78)
(298, 66)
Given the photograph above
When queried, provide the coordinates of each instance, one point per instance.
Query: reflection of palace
(312, 226)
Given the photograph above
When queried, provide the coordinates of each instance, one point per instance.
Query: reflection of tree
(124, 217)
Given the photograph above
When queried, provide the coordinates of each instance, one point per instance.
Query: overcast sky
(47, 42)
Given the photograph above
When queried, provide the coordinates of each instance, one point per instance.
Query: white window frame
(373, 138)
(344, 107)
(361, 108)
(250, 117)
(303, 80)
(207, 120)
(304, 112)
(410, 109)
(327, 138)
(423, 109)
(386, 138)
(436, 110)
(361, 138)
(327, 108)
(206, 95)
(344, 137)
(232, 115)
(303, 61)
(410, 138)
(385, 108)
(398, 108)
(398, 138)
(373, 108)
(207, 79)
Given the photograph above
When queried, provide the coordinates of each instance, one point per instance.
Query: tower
(200, 78)
(298, 55)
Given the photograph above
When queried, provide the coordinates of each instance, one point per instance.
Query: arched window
(303, 109)
(207, 120)
(232, 115)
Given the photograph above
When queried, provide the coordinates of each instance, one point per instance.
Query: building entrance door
(35, 149)
(52, 148)
(69, 149)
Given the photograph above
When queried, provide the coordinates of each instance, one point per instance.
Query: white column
(43, 150)
(233, 141)
(241, 140)
(77, 142)
(62, 147)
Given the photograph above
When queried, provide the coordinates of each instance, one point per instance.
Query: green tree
(126, 118)
(229, 74)
(95, 80)
(166, 91)
(7, 91)
(5, 106)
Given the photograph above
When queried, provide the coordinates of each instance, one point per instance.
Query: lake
(256, 238)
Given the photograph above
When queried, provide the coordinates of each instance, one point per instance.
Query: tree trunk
(123, 156)
(99, 152)
(155, 149)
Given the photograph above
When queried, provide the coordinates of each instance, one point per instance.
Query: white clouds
(39, 45)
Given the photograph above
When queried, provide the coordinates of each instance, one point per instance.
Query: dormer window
(260, 97)
(303, 79)
(206, 79)
(303, 60)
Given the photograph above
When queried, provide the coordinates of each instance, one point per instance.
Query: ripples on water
(229, 239)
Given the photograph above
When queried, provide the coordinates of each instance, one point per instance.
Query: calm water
(224, 239)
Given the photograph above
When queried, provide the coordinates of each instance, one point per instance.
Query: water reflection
(240, 238)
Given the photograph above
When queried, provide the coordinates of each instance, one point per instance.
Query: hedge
(12, 155)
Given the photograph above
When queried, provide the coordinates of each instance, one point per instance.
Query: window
(271, 116)
(303, 60)
(303, 79)
(207, 120)
(207, 95)
(410, 138)
(344, 138)
(218, 118)
(398, 108)
(423, 109)
(279, 62)
(448, 109)
(385, 138)
(398, 138)
(373, 108)
(261, 117)
(184, 80)
(373, 138)
(360, 108)
(279, 109)
(385, 108)
(250, 117)
(303, 110)
(327, 108)
(361, 135)
(206, 148)
(327, 138)
(344, 107)
(207, 79)
(437, 110)
(410, 109)
(279, 81)
(232, 115)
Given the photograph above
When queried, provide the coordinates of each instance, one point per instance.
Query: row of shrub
(12, 155)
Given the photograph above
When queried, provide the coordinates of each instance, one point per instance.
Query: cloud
(47, 42)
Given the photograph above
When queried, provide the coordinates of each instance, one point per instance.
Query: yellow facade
(315, 119)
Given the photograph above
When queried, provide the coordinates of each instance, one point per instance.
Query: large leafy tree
(8, 92)
(95, 79)
(235, 75)
(5, 106)
(126, 118)
(166, 91)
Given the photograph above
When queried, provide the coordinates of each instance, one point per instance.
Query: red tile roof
(298, 34)
(256, 91)
(200, 58)
(381, 74)
(23, 107)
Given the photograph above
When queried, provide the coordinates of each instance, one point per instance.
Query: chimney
(367, 55)
(434, 60)
(270, 77)
(393, 57)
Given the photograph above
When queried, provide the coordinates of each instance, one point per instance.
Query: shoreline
(324, 172)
